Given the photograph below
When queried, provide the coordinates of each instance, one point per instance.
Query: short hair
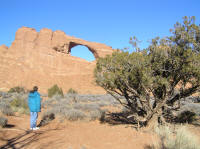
(35, 88)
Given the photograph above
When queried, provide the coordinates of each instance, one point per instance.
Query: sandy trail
(72, 135)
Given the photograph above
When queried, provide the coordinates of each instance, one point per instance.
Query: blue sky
(111, 22)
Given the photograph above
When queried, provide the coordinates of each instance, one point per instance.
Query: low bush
(74, 115)
(193, 99)
(60, 109)
(23, 111)
(72, 91)
(4, 94)
(96, 115)
(47, 117)
(193, 107)
(20, 105)
(6, 109)
(17, 89)
(55, 90)
(19, 102)
(179, 138)
(86, 107)
(3, 121)
(186, 117)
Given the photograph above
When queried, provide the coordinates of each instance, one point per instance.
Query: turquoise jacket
(34, 102)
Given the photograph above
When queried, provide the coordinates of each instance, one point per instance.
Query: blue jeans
(33, 119)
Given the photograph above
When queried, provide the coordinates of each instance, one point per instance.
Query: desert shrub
(46, 103)
(86, 107)
(72, 91)
(66, 108)
(16, 102)
(5, 95)
(17, 89)
(55, 90)
(194, 99)
(3, 121)
(193, 107)
(19, 102)
(78, 106)
(50, 102)
(179, 138)
(60, 109)
(6, 109)
(23, 111)
(103, 103)
(47, 117)
(91, 97)
(188, 113)
(74, 115)
(186, 117)
(20, 105)
(96, 115)
(57, 97)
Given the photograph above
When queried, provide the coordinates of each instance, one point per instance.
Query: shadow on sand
(22, 140)
(117, 118)
(9, 126)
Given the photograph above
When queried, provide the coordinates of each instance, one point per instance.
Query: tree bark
(153, 122)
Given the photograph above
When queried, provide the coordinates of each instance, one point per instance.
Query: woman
(34, 103)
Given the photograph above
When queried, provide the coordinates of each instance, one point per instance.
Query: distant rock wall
(44, 59)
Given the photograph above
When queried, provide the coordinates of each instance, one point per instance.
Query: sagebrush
(3, 121)
(175, 138)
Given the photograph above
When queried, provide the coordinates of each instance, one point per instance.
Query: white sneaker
(36, 128)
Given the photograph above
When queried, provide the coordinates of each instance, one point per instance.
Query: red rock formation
(44, 59)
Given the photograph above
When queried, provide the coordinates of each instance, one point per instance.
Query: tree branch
(185, 93)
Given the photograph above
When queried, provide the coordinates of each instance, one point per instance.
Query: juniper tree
(153, 80)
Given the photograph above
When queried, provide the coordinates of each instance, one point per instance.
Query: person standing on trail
(34, 104)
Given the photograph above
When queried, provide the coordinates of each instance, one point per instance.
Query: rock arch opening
(82, 51)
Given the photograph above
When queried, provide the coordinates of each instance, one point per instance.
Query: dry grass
(3, 121)
(78, 107)
(5, 109)
(74, 115)
(175, 138)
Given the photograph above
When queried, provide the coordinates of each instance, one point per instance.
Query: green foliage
(165, 72)
(55, 90)
(19, 105)
(72, 91)
(17, 89)
(19, 102)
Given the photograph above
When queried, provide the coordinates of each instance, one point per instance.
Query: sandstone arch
(43, 59)
(29, 38)
(73, 44)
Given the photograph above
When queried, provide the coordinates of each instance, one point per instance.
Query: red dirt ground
(72, 135)
(75, 135)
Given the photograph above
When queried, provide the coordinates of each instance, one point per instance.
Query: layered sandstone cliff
(44, 59)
